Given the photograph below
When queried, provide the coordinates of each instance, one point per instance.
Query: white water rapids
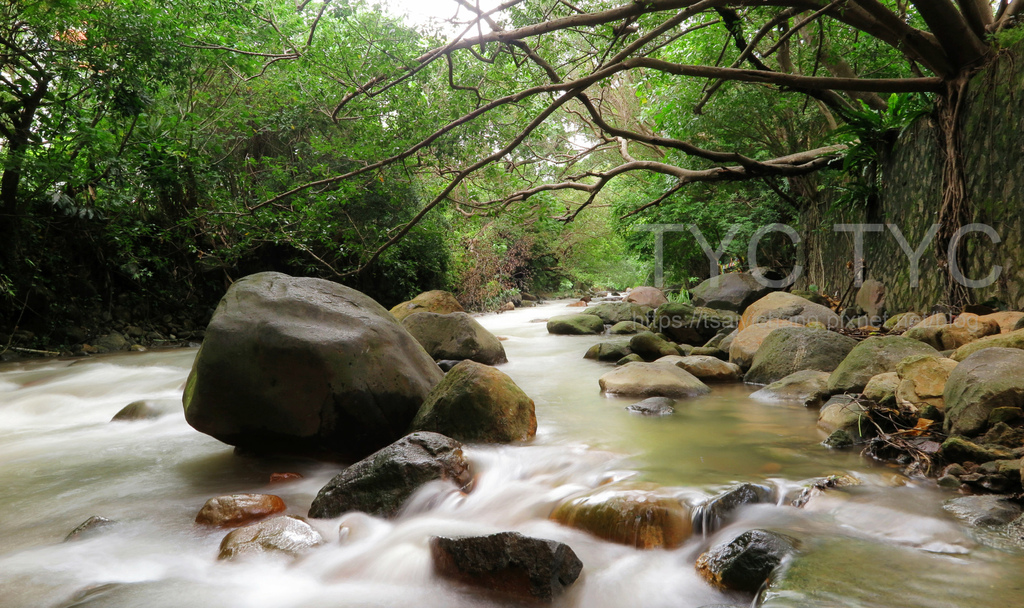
(887, 543)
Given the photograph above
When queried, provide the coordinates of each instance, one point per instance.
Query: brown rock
(636, 517)
(437, 301)
(647, 296)
(782, 305)
(580, 304)
(239, 509)
(966, 329)
(286, 535)
(1006, 320)
(744, 346)
(284, 477)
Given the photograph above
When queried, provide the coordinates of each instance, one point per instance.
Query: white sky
(421, 11)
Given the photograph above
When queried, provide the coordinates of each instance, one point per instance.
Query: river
(886, 543)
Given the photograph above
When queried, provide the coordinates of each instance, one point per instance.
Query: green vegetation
(155, 151)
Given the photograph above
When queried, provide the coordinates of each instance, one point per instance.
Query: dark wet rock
(476, 402)
(508, 564)
(844, 412)
(146, 409)
(989, 510)
(112, 342)
(382, 482)
(89, 528)
(285, 535)
(687, 324)
(455, 336)
(710, 515)
(987, 380)
(653, 406)
(652, 380)
(651, 346)
(304, 365)
(630, 516)
(239, 509)
(734, 291)
(782, 305)
(609, 351)
(747, 561)
(876, 355)
(808, 387)
(839, 439)
(612, 313)
(627, 328)
(647, 296)
(575, 325)
(792, 349)
(446, 365)
(704, 351)
(436, 301)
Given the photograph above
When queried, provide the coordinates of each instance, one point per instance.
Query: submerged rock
(792, 349)
(476, 402)
(88, 528)
(381, 483)
(575, 325)
(305, 365)
(147, 409)
(455, 336)
(635, 517)
(239, 509)
(745, 562)
(285, 535)
(508, 564)
(988, 510)
(653, 406)
(808, 387)
(436, 301)
(652, 380)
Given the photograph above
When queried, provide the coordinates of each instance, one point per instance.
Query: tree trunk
(956, 209)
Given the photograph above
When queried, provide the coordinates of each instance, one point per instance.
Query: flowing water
(886, 543)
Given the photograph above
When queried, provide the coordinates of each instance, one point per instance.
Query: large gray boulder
(455, 336)
(476, 402)
(876, 355)
(734, 291)
(990, 378)
(306, 366)
(792, 349)
(782, 305)
(382, 482)
(617, 312)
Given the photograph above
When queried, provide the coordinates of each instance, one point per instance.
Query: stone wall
(911, 195)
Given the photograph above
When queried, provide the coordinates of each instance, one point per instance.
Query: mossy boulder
(627, 328)
(989, 379)
(303, 365)
(477, 402)
(436, 301)
(651, 347)
(455, 336)
(844, 413)
(793, 349)
(882, 388)
(636, 517)
(652, 380)
(608, 351)
(1014, 339)
(876, 355)
(745, 344)
(618, 312)
(382, 482)
(688, 324)
(575, 325)
(808, 387)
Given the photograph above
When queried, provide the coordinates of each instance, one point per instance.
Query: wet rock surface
(745, 562)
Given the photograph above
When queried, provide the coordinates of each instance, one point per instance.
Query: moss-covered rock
(651, 346)
(627, 328)
(793, 349)
(882, 388)
(436, 301)
(845, 413)
(688, 324)
(989, 379)
(477, 402)
(1014, 339)
(575, 325)
(608, 351)
(617, 312)
(876, 355)
(454, 336)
